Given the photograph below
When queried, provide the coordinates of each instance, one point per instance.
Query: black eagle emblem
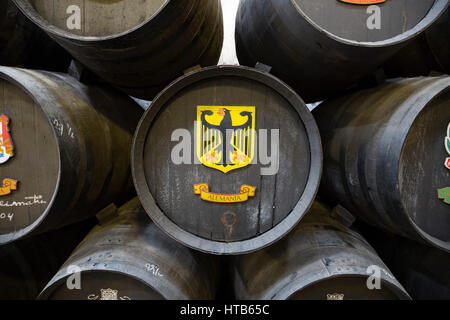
(236, 149)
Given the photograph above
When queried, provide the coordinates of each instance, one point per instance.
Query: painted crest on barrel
(363, 2)
(225, 136)
(447, 147)
(7, 186)
(6, 145)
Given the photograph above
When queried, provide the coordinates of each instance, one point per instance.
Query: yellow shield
(225, 136)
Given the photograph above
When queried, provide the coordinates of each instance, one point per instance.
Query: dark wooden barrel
(385, 156)
(137, 46)
(321, 259)
(428, 52)
(321, 47)
(27, 265)
(65, 150)
(200, 161)
(421, 269)
(24, 44)
(129, 258)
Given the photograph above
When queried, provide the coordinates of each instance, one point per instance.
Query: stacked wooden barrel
(27, 265)
(65, 150)
(129, 258)
(427, 53)
(227, 160)
(385, 156)
(423, 270)
(321, 47)
(321, 259)
(24, 44)
(137, 46)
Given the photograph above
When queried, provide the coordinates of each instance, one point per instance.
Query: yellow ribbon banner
(203, 190)
(7, 186)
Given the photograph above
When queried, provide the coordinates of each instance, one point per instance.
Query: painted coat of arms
(225, 137)
(6, 145)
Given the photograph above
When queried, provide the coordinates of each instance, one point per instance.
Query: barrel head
(227, 160)
(424, 171)
(358, 21)
(29, 169)
(101, 285)
(348, 287)
(99, 18)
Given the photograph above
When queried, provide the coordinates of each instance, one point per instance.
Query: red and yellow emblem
(447, 147)
(363, 2)
(6, 145)
(203, 190)
(225, 136)
(7, 186)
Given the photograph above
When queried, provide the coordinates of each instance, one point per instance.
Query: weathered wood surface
(384, 155)
(282, 196)
(421, 269)
(72, 148)
(23, 44)
(321, 259)
(427, 53)
(26, 266)
(321, 47)
(132, 257)
(142, 49)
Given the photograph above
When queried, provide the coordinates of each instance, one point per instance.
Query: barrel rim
(30, 12)
(11, 74)
(435, 12)
(243, 246)
(61, 277)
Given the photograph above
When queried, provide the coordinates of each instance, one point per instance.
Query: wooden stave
(28, 264)
(132, 50)
(297, 262)
(427, 53)
(376, 198)
(147, 244)
(82, 180)
(26, 45)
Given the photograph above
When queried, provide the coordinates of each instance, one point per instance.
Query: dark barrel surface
(26, 266)
(129, 258)
(65, 150)
(24, 44)
(428, 52)
(321, 259)
(137, 46)
(321, 47)
(421, 269)
(227, 160)
(385, 156)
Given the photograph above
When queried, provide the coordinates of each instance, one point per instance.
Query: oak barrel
(428, 52)
(24, 44)
(322, 259)
(385, 156)
(136, 46)
(27, 265)
(321, 47)
(227, 159)
(129, 258)
(421, 269)
(64, 150)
